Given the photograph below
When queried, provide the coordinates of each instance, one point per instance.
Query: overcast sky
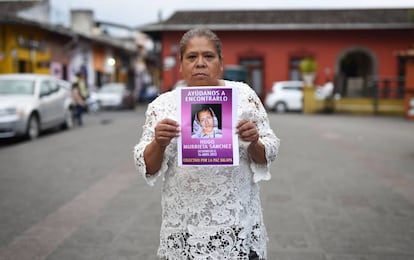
(138, 12)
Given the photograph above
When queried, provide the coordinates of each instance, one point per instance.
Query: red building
(354, 48)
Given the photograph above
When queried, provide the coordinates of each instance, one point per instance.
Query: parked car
(148, 94)
(93, 103)
(285, 96)
(31, 103)
(288, 95)
(114, 95)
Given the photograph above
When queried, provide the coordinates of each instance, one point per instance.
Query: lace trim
(233, 243)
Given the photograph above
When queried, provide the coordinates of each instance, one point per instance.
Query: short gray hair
(200, 32)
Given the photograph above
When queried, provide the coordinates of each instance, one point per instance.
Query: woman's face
(200, 65)
(206, 121)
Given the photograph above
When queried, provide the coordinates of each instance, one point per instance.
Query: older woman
(210, 212)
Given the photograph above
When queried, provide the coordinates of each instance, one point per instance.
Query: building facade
(355, 49)
(32, 46)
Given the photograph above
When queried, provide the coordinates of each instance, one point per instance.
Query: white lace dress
(210, 212)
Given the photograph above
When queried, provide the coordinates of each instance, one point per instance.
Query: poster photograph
(207, 117)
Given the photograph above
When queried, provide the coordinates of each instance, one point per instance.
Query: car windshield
(16, 87)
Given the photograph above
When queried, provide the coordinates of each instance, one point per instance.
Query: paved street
(342, 189)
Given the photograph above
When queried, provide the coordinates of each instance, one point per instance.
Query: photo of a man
(206, 124)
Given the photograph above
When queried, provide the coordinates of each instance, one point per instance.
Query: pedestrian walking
(78, 103)
(81, 82)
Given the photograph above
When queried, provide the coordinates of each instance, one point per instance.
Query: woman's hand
(247, 131)
(165, 131)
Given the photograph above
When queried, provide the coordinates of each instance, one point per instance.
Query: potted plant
(308, 67)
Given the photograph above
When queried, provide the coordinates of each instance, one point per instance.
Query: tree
(308, 65)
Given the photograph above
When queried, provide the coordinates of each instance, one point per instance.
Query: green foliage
(308, 65)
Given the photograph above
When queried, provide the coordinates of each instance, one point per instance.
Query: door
(294, 96)
(51, 107)
(254, 67)
(57, 100)
(45, 102)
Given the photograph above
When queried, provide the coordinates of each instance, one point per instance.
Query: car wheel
(33, 128)
(68, 123)
(280, 107)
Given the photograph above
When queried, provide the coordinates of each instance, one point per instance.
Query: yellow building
(33, 47)
(25, 46)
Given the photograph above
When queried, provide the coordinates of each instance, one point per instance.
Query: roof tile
(371, 16)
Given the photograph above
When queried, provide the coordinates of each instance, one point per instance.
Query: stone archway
(355, 67)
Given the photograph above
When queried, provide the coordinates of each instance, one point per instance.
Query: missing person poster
(207, 117)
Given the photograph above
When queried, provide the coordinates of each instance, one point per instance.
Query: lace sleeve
(152, 118)
(256, 112)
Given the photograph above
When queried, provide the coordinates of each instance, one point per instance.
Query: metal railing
(387, 87)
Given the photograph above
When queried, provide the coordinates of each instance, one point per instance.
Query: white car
(285, 96)
(31, 103)
(114, 95)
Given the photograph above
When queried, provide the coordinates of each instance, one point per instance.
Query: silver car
(31, 103)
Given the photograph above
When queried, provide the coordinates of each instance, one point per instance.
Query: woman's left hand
(247, 131)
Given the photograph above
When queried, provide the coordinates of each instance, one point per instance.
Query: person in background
(79, 104)
(210, 212)
(83, 89)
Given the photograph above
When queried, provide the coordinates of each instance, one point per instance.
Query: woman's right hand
(165, 131)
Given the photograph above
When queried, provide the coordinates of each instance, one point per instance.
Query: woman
(205, 124)
(78, 102)
(211, 212)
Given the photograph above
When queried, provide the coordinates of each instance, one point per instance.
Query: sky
(137, 12)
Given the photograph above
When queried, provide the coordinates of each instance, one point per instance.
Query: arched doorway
(355, 69)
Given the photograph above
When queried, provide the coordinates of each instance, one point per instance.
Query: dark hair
(200, 32)
(205, 109)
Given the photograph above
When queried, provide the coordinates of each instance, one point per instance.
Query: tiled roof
(12, 7)
(289, 19)
(291, 16)
(64, 31)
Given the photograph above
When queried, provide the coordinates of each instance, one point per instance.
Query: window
(53, 86)
(294, 72)
(45, 88)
